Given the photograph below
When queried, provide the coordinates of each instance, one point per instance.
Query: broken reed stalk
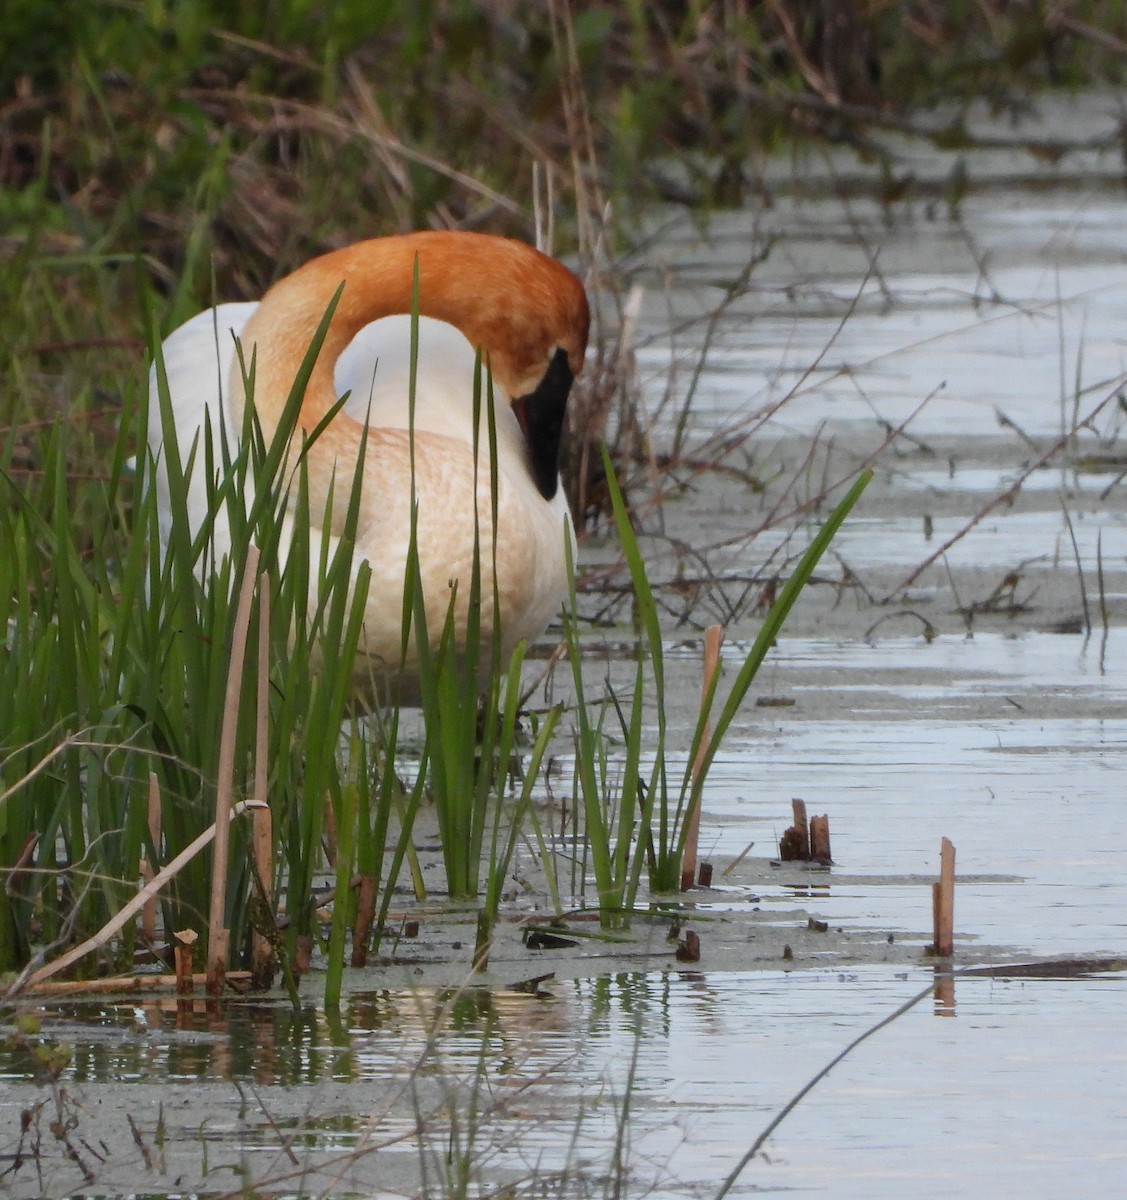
(182, 954)
(802, 826)
(820, 839)
(365, 919)
(943, 901)
(1079, 568)
(713, 640)
(128, 911)
(806, 840)
(217, 933)
(149, 912)
(118, 984)
(262, 819)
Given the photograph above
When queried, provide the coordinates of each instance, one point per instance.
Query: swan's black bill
(541, 417)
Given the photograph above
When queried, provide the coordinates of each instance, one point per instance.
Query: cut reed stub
(795, 843)
(806, 841)
(182, 959)
(689, 948)
(365, 919)
(943, 902)
(483, 945)
(820, 840)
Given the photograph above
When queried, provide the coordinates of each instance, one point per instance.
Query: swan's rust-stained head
(517, 305)
(525, 311)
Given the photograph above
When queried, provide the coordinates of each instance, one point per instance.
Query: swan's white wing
(375, 369)
(197, 360)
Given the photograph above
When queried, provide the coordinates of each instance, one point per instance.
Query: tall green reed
(258, 495)
(634, 817)
(116, 661)
(469, 699)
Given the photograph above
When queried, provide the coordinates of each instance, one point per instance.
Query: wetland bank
(954, 669)
(973, 705)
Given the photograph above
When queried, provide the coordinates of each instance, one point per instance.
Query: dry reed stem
(262, 842)
(1079, 567)
(72, 739)
(128, 910)
(713, 640)
(816, 80)
(290, 116)
(216, 941)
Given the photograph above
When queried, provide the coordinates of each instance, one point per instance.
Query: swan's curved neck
(517, 305)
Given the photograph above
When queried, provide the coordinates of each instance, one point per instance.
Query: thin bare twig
(129, 910)
(1002, 498)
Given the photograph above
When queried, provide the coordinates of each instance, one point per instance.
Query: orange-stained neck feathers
(516, 305)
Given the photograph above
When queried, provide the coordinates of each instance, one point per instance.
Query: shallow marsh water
(995, 729)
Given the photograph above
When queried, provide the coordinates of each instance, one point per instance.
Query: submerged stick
(216, 930)
(713, 640)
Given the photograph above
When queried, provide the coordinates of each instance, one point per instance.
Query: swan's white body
(373, 366)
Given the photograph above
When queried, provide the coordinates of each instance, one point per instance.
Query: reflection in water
(944, 992)
(506, 1086)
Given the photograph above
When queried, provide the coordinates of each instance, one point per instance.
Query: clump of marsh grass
(644, 820)
(126, 653)
(171, 678)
